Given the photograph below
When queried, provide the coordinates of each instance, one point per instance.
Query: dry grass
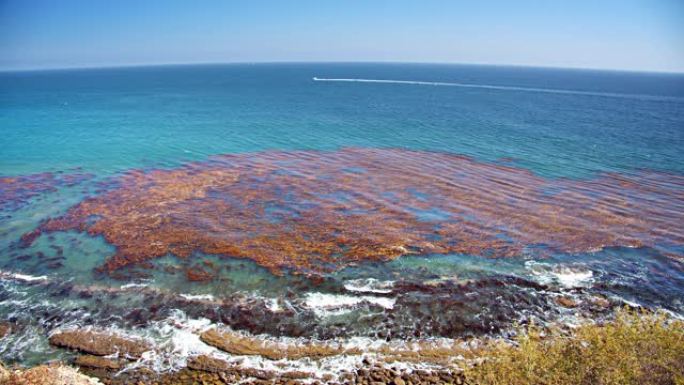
(637, 348)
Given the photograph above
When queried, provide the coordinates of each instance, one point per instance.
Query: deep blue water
(108, 120)
(554, 122)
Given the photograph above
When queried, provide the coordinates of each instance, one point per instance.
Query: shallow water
(572, 187)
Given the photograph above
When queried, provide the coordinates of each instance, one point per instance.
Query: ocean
(355, 204)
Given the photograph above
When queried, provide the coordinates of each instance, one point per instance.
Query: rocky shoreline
(117, 355)
(585, 355)
(53, 374)
(201, 371)
(104, 358)
(210, 371)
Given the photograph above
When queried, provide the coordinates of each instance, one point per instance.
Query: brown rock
(299, 375)
(256, 373)
(100, 344)
(237, 344)
(198, 274)
(5, 329)
(208, 364)
(97, 362)
(566, 302)
(50, 375)
(600, 302)
(398, 381)
(4, 374)
(216, 365)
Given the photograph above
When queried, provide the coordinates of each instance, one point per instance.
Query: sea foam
(324, 304)
(565, 276)
(22, 277)
(369, 285)
(198, 297)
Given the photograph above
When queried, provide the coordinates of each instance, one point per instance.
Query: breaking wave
(324, 304)
(564, 276)
(21, 277)
(369, 285)
(198, 297)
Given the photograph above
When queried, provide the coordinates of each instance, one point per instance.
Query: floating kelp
(320, 211)
(17, 191)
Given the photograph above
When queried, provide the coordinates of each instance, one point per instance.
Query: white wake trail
(503, 88)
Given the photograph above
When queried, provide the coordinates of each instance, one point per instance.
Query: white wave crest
(134, 285)
(566, 276)
(22, 277)
(273, 305)
(369, 285)
(198, 297)
(176, 339)
(324, 304)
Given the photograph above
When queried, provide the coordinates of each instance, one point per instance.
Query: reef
(235, 343)
(211, 371)
(99, 344)
(17, 191)
(56, 374)
(436, 307)
(423, 351)
(315, 212)
(552, 353)
(90, 361)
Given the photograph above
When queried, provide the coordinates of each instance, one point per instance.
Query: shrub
(636, 348)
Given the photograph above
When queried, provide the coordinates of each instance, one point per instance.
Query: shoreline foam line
(503, 88)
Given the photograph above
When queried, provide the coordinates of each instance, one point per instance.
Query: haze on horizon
(640, 35)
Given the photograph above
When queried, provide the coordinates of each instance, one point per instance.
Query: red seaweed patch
(17, 191)
(314, 211)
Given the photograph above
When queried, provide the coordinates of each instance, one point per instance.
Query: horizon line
(182, 64)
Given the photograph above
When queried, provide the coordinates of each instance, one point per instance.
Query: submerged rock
(100, 344)
(198, 274)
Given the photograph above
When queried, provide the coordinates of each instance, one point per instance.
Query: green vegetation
(637, 348)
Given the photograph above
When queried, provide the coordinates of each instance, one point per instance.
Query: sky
(642, 35)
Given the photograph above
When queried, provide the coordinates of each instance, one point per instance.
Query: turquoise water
(104, 122)
(109, 120)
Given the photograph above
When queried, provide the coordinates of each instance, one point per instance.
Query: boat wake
(503, 88)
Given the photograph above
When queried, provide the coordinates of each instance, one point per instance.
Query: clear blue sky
(617, 34)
